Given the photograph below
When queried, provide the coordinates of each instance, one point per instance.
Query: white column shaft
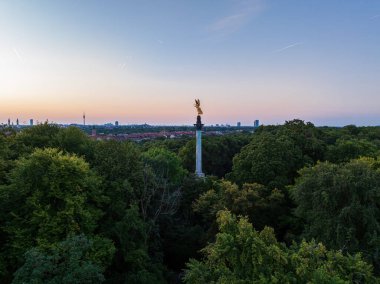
(198, 165)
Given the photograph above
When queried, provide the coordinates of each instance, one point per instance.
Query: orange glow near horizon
(146, 100)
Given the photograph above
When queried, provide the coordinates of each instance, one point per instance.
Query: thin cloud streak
(18, 55)
(287, 47)
(230, 23)
(233, 22)
(123, 65)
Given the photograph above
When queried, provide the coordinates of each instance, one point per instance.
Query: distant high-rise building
(239, 124)
(9, 122)
(84, 119)
(256, 123)
(31, 122)
(17, 122)
(116, 123)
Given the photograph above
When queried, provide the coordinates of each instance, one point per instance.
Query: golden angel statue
(198, 106)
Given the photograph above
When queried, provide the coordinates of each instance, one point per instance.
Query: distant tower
(84, 119)
(17, 122)
(31, 122)
(256, 123)
(239, 124)
(116, 123)
(9, 122)
(198, 137)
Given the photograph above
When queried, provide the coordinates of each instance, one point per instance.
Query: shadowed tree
(50, 196)
(217, 153)
(74, 260)
(344, 150)
(163, 175)
(240, 254)
(268, 159)
(121, 168)
(263, 206)
(73, 140)
(340, 205)
(39, 136)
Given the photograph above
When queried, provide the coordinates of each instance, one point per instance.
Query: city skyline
(33, 122)
(145, 62)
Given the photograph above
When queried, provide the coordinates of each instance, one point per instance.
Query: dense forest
(290, 203)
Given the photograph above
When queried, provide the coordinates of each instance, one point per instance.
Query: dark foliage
(76, 210)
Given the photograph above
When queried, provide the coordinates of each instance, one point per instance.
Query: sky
(146, 61)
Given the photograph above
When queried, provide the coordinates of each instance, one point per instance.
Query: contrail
(123, 65)
(287, 47)
(18, 55)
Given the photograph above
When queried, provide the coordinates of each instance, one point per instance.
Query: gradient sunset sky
(146, 61)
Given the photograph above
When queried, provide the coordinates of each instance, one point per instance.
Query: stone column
(198, 152)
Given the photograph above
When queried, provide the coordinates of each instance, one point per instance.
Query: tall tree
(39, 136)
(240, 254)
(346, 149)
(5, 157)
(74, 140)
(121, 168)
(50, 196)
(184, 233)
(165, 164)
(77, 259)
(163, 175)
(263, 206)
(341, 206)
(269, 159)
(307, 137)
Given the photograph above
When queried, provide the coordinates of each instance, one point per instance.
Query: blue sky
(145, 61)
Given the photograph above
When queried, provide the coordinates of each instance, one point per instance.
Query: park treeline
(290, 203)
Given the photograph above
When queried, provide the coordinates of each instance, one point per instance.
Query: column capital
(199, 125)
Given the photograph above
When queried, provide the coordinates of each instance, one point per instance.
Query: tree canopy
(56, 195)
(341, 205)
(268, 159)
(291, 203)
(74, 260)
(240, 254)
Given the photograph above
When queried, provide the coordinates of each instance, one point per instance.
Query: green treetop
(242, 255)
